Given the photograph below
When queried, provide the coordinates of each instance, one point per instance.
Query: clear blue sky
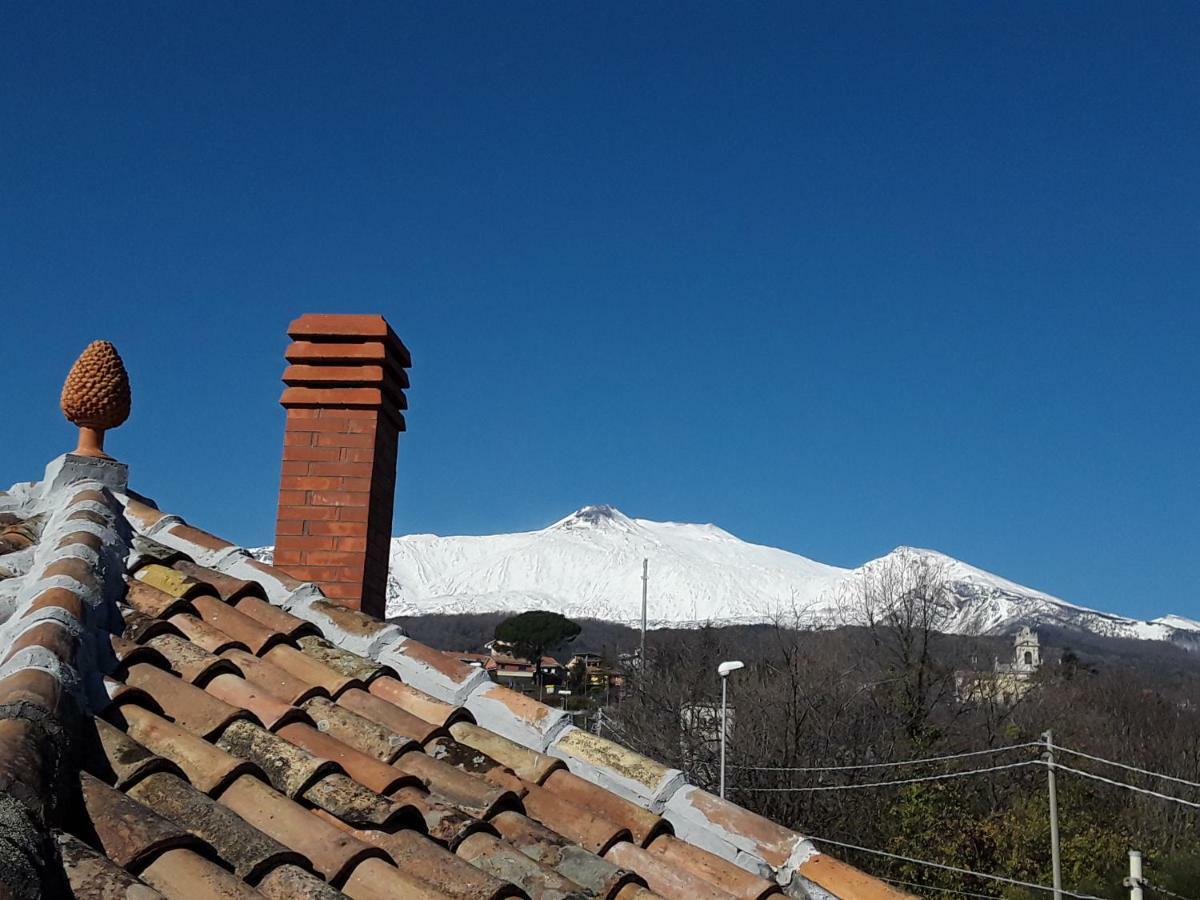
(836, 278)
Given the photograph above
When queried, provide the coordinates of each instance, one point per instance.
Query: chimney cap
(350, 328)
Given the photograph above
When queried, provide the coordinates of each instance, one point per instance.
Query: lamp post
(723, 670)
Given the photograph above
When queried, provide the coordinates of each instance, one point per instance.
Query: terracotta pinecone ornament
(96, 396)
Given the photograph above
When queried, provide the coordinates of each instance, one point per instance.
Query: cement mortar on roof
(93, 654)
(618, 769)
(490, 711)
(425, 677)
(70, 469)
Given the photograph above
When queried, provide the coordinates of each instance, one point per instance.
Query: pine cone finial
(96, 396)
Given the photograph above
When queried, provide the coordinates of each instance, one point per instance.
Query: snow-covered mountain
(590, 565)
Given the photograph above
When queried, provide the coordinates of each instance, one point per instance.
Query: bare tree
(906, 605)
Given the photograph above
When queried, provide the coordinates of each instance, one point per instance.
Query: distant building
(597, 677)
(1008, 682)
(514, 672)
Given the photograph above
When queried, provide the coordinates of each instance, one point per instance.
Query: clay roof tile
(357, 731)
(239, 626)
(274, 618)
(184, 873)
(473, 795)
(416, 702)
(202, 634)
(642, 824)
(307, 669)
(207, 767)
(249, 851)
(289, 769)
(92, 876)
(388, 715)
(189, 706)
(366, 770)
(268, 709)
(332, 852)
(129, 834)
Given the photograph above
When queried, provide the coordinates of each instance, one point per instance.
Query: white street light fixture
(723, 670)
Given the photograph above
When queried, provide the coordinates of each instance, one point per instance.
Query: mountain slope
(589, 564)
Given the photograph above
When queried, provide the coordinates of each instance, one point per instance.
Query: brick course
(343, 399)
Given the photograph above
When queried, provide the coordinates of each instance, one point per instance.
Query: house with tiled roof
(179, 719)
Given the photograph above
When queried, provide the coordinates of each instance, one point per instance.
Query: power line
(944, 867)
(1156, 889)
(872, 784)
(930, 887)
(1129, 787)
(1109, 762)
(906, 762)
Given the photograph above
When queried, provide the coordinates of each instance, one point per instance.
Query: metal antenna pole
(645, 580)
(1054, 857)
(1135, 875)
(724, 682)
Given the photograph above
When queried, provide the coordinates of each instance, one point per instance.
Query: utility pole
(645, 580)
(1135, 875)
(1054, 857)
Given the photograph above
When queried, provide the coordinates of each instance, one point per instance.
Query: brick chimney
(345, 389)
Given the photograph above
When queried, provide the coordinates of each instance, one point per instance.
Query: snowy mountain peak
(589, 565)
(599, 515)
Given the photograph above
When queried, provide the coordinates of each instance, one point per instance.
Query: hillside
(589, 565)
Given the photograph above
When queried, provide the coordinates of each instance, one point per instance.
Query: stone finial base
(71, 467)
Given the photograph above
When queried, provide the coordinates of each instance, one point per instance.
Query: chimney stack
(345, 390)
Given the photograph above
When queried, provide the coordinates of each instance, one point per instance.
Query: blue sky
(834, 277)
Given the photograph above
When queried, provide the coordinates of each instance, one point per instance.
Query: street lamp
(723, 670)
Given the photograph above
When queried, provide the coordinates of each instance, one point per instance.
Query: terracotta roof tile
(434, 865)
(642, 824)
(350, 802)
(183, 873)
(250, 852)
(150, 601)
(228, 588)
(444, 822)
(358, 731)
(504, 861)
(539, 843)
(93, 876)
(130, 834)
(376, 880)
(187, 660)
(474, 762)
(239, 626)
(366, 770)
(189, 706)
(294, 883)
(730, 878)
(209, 768)
(527, 764)
(332, 852)
(244, 744)
(202, 634)
(416, 702)
(307, 669)
(117, 759)
(589, 831)
(289, 769)
(266, 707)
(672, 882)
(341, 661)
(473, 795)
(274, 618)
(387, 714)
